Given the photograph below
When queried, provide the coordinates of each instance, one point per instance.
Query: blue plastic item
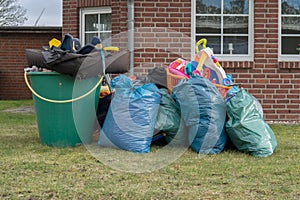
(129, 123)
(67, 43)
(203, 111)
(190, 67)
(231, 92)
(228, 80)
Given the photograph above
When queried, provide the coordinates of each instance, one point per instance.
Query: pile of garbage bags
(136, 113)
(194, 114)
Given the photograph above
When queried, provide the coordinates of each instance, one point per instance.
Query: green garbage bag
(246, 127)
(168, 118)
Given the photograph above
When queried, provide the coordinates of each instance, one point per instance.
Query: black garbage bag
(82, 66)
(56, 55)
(246, 127)
(203, 111)
(158, 76)
(75, 65)
(102, 109)
(78, 65)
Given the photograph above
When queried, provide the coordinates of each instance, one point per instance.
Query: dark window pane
(88, 37)
(290, 25)
(208, 24)
(238, 45)
(213, 42)
(208, 6)
(236, 7)
(290, 45)
(105, 22)
(106, 39)
(235, 25)
(290, 7)
(91, 22)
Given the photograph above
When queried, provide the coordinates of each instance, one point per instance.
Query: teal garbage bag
(129, 123)
(203, 111)
(168, 118)
(246, 127)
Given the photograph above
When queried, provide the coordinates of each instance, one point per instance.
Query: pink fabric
(177, 72)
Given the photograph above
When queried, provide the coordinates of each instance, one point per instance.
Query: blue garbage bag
(203, 111)
(129, 123)
(246, 126)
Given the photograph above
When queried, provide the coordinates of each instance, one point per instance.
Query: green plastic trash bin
(63, 123)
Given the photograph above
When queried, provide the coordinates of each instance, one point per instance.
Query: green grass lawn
(29, 170)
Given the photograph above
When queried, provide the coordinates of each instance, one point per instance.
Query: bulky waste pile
(192, 103)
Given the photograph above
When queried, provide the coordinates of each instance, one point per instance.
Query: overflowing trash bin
(65, 108)
(65, 80)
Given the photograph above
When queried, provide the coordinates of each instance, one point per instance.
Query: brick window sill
(237, 64)
(289, 65)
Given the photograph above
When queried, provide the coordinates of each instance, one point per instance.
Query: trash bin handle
(61, 101)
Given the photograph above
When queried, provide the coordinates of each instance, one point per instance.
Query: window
(227, 26)
(289, 27)
(96, 22)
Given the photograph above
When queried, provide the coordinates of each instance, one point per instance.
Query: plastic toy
(228, 80)
(205, 59)
(177, 67)
(190, 67)
(216, 61)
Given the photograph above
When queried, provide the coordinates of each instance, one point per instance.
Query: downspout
(130, 26)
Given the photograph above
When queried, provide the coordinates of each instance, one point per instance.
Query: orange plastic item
(173, 80)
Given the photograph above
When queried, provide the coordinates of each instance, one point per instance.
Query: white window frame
(293, 57)
(228, 57)
(85, 11)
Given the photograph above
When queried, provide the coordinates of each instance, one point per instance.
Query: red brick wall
(275, 84)
(13, 42)
(163, 30)
(70, 20)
